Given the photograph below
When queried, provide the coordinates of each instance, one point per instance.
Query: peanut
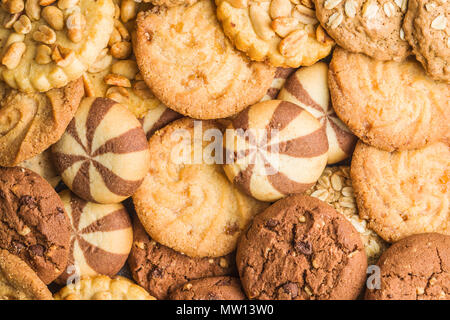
(102, 62)
(62, 56)
(54, 17)
(76, 23)
(128, 10)
(121, 50)
(23, 25)
(33, 10)
(13, 6)
(45, 35)
(117, 80)
(142, 91)
(280, 8)
(293, 43)
(46, 2)
(284, 25)
(66, 4)
(260, 21)
(9, 20)
(43, 54)
(13, 55)
(126, 68)
(118, 94)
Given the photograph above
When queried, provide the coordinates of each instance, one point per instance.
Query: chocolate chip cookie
(216, 288)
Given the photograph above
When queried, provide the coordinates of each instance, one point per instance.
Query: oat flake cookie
(427, 29)
(192, 67)
(404, 192)
(284, 32)
(46, 47)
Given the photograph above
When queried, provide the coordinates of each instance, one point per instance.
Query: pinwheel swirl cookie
(46, 47)
(284, 32)
(281, 75)
(275, 148)
(103, 155)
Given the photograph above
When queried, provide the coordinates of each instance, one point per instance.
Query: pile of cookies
(227, 150)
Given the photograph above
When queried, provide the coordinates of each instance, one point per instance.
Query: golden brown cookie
(214, 288)
(284, 32)
(427, 29)
(186, 202)
(404, 192)
(389, 105)
(47, 44)
(191, 66)
(43, 165)
(18, 281)
(170, 3)
(30, 123)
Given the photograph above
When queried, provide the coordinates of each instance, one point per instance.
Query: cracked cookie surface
(215, 288)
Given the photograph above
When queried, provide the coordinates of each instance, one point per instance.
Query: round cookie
(267, 143)
(281, 75)
(415, 268)
(30, 123)
(335, 188)
(101, 237)
(33, 224)
(427, 29)
(389, 105)
(18, 281)
(187, 203)
(404, 192)
(216, 288)
(284, 32)
(103, 155)
(190, 65)
(42, 164)
(372, 27)
(301, 248)
(160, 269)
(101, 287)
(46, 47)
(170, 3)
(308, 88)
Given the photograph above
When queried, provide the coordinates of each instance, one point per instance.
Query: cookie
(308, 88)
(427, 29)
(18, 281)
(103, 155)
(281, 75)
(415, 268)
(301, 248)
(286, 33)
(389, 105)
(267, 143)
(33, 224)
(187, 203)
(404, 192)
(190, 65)
(160, 269)
(43, 165)
(335, 188)
(171, 3)
(103, 288)
(30, 123)
(216, 288)
(101, 237)
(48, 46)
(372, 27)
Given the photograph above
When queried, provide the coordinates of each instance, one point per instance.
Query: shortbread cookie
(43, 165)
(47, 46)
(308, 88)
(18, 281)
(103, 288)
(103, 155)
(186, 202)
(33, 224)
(300, 248)
(284, 32)
(160, 269)
(404, 192)
(281, 75)
(171, 3)
(335, 188)
(190, 65)
(101, 237)
(372, 27)
(389, 105)
(415, 268)
(30, 123)
(216, 288)
(427, 29)
(275, 148)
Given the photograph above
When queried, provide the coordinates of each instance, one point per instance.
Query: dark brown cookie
(216, 288)
(414, 268)
(160, 269)
(33, 223)
(301, 248)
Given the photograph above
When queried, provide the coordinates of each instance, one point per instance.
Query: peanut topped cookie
(372, 27)
(284, 32)
(427, 29)
(47, 44)
(190, 65)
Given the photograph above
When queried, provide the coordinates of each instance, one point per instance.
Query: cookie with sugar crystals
(103, 155)
(101, 237)
(308, 88)
(275, 148)
(214, 288)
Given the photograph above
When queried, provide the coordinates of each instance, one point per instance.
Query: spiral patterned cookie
(101, 237)
(275, 148)
(281, 75)
(308, 88)
(103, 155)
